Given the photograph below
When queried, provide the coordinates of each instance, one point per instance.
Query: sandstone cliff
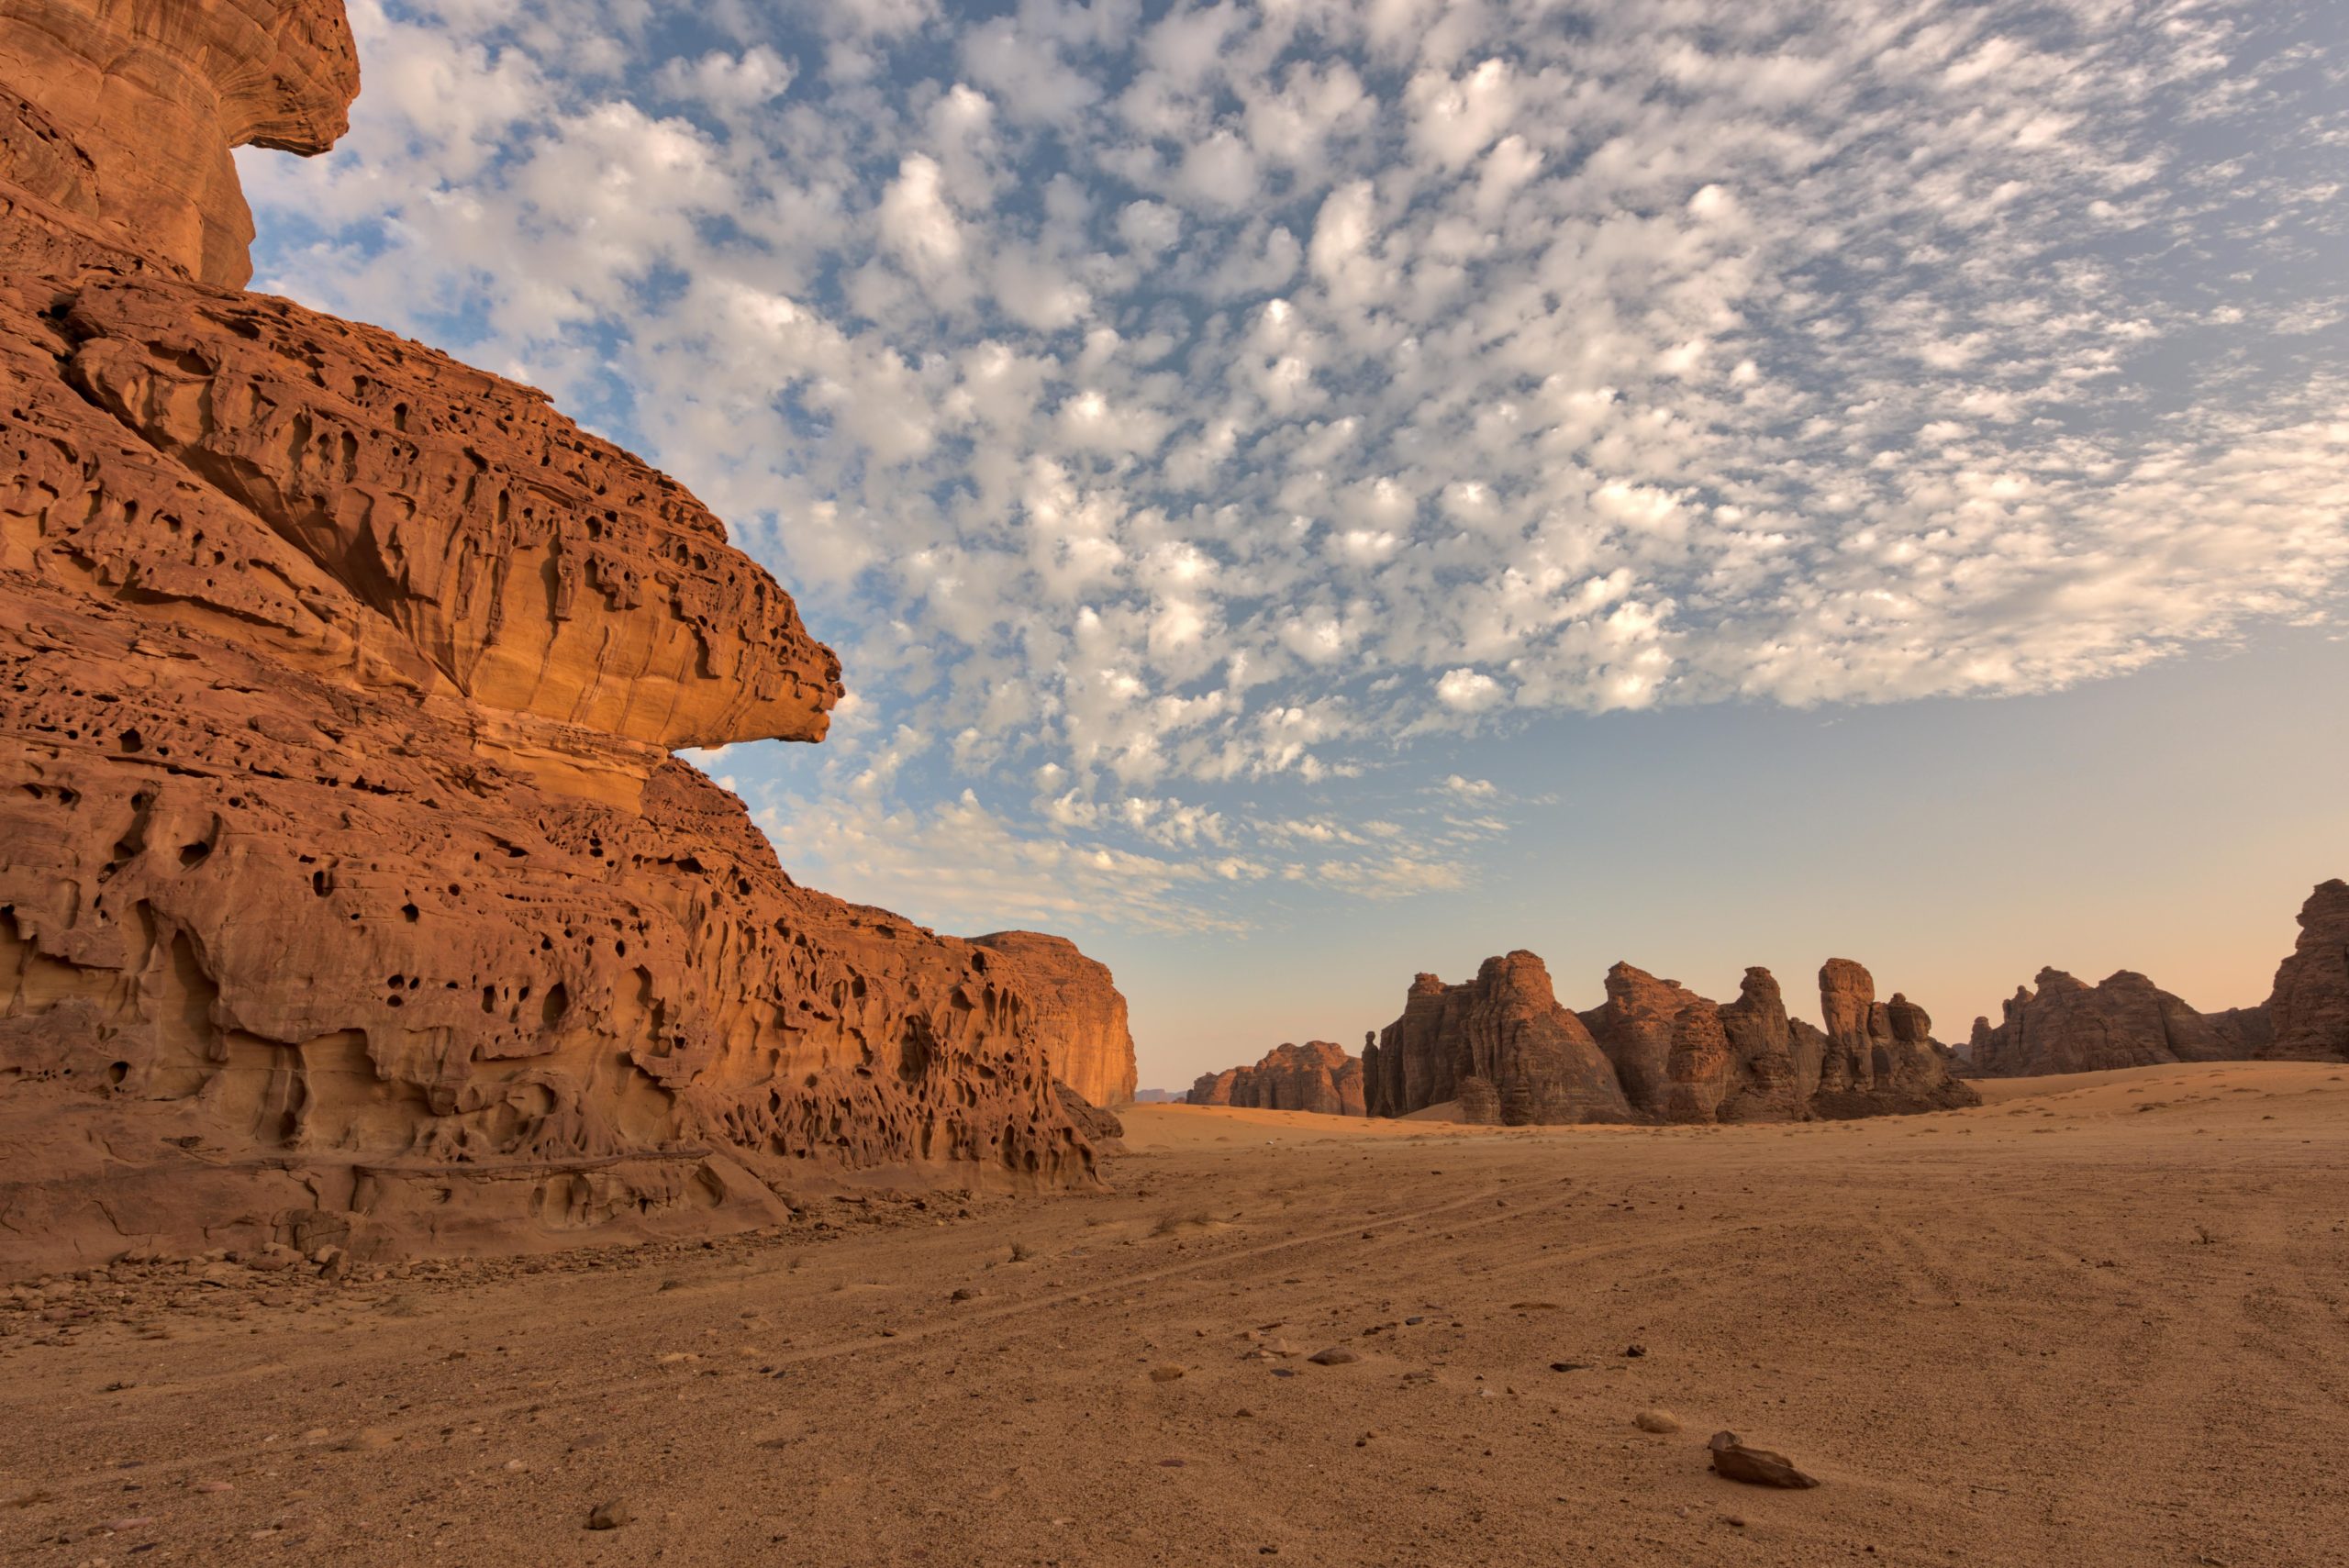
(353, 896)
(1317, 1076)
(1654, 1051)
(1081, 1015)
(2125, 1020)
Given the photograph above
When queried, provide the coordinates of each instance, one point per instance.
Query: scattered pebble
(1166, 1373)
(1336, 1355)
(609, 1515)
(1656, 1420)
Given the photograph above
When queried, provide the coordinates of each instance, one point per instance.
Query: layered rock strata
(1318, 1076)
(353, 896)
(1506, 1051)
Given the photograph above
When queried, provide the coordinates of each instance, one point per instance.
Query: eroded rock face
(1081, 1015)
(353, 894)
(1500, 1044)
(1317, 1076)
(1879, 1056)
(2125, 1020)
(2309, 1008)
(123, 111)
(1695, 1061)
(1775, 1058)
(1635, 1027)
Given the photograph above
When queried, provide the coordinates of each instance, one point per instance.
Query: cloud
(1235, 403)
(1467, 691)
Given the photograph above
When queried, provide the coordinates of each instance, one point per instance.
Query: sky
(1306, 493)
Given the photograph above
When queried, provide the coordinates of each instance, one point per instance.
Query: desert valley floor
(2101, 1319)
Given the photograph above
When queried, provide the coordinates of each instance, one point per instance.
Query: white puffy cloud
(1231, 402)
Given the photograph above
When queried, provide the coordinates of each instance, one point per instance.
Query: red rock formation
(2308, 1011)
(123, 111)
(1634, 1026)
(1213, 1088)
(1081, 1016)
(353, 894)
(1317, 1076)
(2128, 1021)
(1879, 1056)
(1774, 1059)
(1695, 1061)
(1500, 1044)
(1701, 1066)
(2124, 1021)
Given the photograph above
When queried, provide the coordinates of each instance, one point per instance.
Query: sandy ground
(2102, 1321)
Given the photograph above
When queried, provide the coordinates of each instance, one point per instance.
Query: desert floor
(2100, 1321)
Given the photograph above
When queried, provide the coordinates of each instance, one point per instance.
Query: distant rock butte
(1508, 1052)
(1318, 1076)
(1500, 1045)
(2125, 1020)
(353, 895)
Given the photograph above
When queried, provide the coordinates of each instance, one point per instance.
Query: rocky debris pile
(1100, 1125)
(354, 897)
(2126, 1020)
(1317, 1076)
(1505, 1049)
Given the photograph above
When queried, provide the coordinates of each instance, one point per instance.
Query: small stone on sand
(1755, 1466)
